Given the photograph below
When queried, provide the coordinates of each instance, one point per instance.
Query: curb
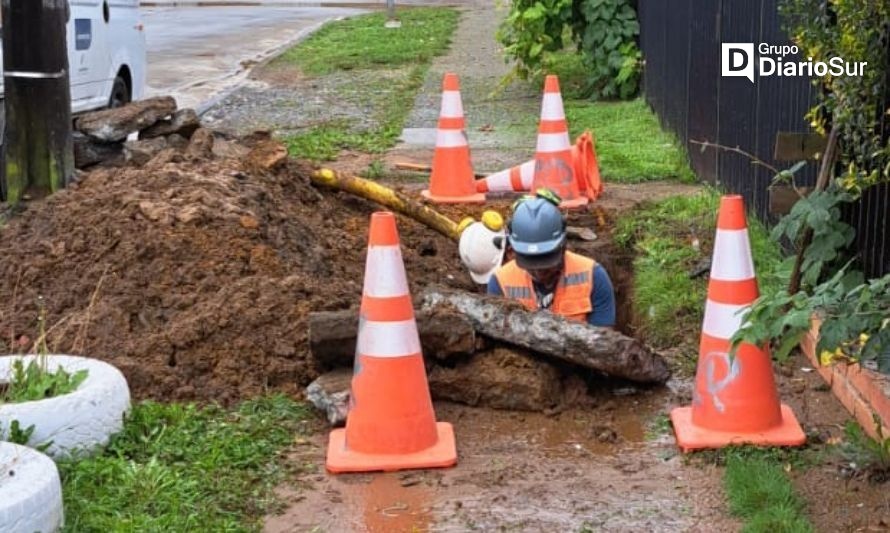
(863, 392)
(267, 56)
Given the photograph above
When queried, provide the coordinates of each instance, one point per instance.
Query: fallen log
(601, 349)
(443, 334)
(388, 198)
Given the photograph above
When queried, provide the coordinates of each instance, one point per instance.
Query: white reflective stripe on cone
(388, 339)
(450, 139)
(499, 181)
(551, 107)
(451, 105)
(385, 272)
(722, 320)
(553, 142)
(527, 174)
(732, 256)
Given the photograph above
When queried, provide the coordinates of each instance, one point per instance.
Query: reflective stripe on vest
(572, 298)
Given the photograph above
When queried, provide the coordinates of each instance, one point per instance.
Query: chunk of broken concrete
(89, 152)
(183, 122)
(141, 152)
(330, 395)
(114, 125)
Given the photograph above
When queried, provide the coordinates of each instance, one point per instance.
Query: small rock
(249, 222)
(330, 394)
(184, 122)
(141, 152)
(201, 145)
(583, 234)
(229, 149)
(266, 156)
(177, 141)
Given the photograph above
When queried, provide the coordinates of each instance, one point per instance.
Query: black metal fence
(681, 43)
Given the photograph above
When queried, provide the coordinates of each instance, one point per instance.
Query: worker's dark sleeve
(602, 298)
(494, 287)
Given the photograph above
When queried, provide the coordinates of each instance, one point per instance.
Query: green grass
(630, 145)
(184, 468)
(761, 495)
(669, 305)
(363, 42)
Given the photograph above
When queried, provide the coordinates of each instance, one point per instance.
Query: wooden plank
(793, 146)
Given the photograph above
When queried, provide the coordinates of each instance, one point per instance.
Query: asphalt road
(196, 54)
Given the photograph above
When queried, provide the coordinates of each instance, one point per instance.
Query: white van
(106, 53)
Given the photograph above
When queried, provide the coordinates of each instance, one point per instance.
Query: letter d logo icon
(738, 60)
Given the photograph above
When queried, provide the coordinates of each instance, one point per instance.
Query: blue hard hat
(537, 233)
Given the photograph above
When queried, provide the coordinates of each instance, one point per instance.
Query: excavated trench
(595, 455)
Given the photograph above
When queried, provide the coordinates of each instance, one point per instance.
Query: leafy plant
(35, 381)
(858, 32)
(16, 434)
(853, 312)
(821, 212)
(865, 453)
(604, 32)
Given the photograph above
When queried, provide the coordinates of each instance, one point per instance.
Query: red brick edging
(862, 391)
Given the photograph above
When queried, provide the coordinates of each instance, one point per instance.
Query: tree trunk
(332, 336)
(37, 139)
(601, 349)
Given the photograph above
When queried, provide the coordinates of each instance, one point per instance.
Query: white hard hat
(482, 251)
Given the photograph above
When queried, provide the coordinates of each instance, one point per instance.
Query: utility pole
(37, 139)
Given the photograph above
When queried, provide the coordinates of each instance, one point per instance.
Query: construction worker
(544, 274)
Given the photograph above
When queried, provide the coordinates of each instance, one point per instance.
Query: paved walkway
(501, 123)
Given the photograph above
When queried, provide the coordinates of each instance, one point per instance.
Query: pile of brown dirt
(201, 273)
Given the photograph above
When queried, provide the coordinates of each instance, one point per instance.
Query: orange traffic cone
(587, 169)
(515, 179)
(554, 168)
(391, 424)
(451, 180)
(735, 400)
(521, 177)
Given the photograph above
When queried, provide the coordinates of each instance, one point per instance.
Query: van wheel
(120, 93)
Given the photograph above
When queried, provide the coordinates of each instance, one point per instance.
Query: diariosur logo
(739, 59)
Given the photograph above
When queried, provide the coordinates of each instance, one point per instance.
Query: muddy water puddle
(592, 468)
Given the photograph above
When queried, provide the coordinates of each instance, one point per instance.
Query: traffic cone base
(391, 423)
(476, 198)
(441, 455)
(691, 437)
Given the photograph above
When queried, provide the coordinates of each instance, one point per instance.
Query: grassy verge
(184, 468)
(630, 145)
(760, 493)
(672, 238)
(362, 43)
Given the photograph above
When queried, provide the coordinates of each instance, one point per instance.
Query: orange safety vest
(572, 297)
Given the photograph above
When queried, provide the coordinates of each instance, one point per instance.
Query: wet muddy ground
(607, 468)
